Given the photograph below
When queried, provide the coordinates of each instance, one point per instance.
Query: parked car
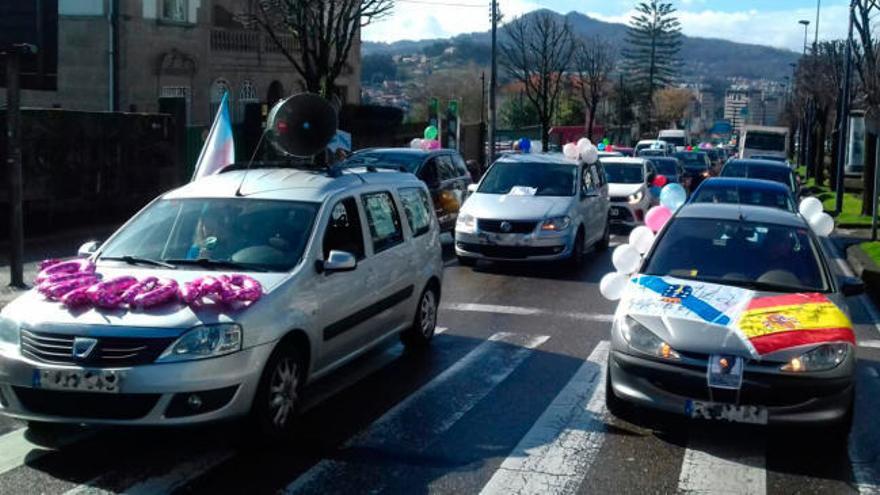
(697, 167)
(345, 260)
(763, 169)
(695, 334)
(668, 167)
(629, 189)
(534, 208)
(756, 192)
(443, 171)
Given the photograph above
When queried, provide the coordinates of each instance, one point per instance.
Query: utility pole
(13, 163)
(844, 111)
(816, 38)
(493, 82)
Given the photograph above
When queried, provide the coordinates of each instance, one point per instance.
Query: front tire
(614, 404)
(602, 245)
(421, 332)
(576, 260)
(276, 404)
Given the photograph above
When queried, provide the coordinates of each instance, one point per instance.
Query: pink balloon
(657, 217)
(58, 290)
(434, 145)
(77, 297)
(63, 267)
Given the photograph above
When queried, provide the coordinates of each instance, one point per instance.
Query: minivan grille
(516, 226)
(110, 351)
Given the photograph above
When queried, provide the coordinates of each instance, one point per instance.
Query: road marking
(873, 344)
(723, 467)
(556, 453)
(179, 476)
(524, 311)
(410, 425)
(15, 449)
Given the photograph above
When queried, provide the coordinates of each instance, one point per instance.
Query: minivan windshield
(759, 256)
(624, 173)
(264, 235)
(535, 179)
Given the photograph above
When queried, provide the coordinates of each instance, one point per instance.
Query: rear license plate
(725, 372)
(82, 380)
(727, 412)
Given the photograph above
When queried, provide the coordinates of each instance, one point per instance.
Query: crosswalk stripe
(713, 467)
(556, 453)
(450, 395)
(524, 311)
(179, 476)
(15, 448)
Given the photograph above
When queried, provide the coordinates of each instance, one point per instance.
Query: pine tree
(653, 39)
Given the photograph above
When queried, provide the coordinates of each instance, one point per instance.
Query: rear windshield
(717, 193)
(765, 141)
(624, 173)
(409, 161)
(776, 173)
(665, 167)
(534, 179)
(734, 252)
(692, 160)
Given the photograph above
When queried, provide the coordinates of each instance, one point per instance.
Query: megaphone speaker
(302, 125)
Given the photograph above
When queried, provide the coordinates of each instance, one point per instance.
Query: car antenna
(247, 168)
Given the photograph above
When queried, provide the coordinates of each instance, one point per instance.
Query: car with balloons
(536, 207)
(756, 192)
(633, 188)
(731, 312)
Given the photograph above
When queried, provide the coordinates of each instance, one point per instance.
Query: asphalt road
(509, 399)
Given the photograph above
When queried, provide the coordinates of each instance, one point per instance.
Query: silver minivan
(535, 207)
(345, 259)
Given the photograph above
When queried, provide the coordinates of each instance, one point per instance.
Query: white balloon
(822, 224)
(583, 144)
(570, 151)
(641, 238)
(591, 155)
(810, 207)
(626, 259)
(612, 285)
(416, 143)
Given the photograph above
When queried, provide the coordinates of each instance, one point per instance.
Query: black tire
(276, 403)
(465, 261)
(838, 433)
(576, 260)
(419, 335)
(47, 434)
(602, 245)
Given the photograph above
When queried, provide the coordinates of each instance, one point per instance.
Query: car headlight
(645, 341)
(556, 224)
(465, 223)
(636, 197)
(822, 358)
(204, 342)
(9, 331)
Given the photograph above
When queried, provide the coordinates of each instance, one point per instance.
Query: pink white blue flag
(219, 148)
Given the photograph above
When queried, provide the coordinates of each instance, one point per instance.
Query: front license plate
(725, 372)
(83, 380)
(614, 212)
(729, 412)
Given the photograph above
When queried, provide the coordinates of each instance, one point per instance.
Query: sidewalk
(60, 245)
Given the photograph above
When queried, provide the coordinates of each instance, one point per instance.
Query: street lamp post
(816, 39)
(806, 25)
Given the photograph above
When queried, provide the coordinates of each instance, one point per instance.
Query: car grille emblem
(83, 347)
(506, 227)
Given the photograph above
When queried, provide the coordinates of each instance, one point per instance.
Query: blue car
(756, 192)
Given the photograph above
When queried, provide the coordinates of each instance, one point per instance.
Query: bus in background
(676, 137)
(764, 141)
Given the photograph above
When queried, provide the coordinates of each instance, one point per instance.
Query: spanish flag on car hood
(779, 322)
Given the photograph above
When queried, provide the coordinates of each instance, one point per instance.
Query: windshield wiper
(209, 263)
(138, 260)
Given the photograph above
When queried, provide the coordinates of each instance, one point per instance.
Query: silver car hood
(513, 207)
(34, 311)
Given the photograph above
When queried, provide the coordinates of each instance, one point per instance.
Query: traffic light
(434, 112)
(453, 125)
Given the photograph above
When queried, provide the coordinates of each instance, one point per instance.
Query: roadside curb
(865, 268)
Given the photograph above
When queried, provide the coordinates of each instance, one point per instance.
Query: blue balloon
(655, 191)
(525, 145)
(673, 196)
(601, 146)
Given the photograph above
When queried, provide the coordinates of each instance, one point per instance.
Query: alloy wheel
(283, 392)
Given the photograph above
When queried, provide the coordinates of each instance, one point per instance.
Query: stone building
(127, 54)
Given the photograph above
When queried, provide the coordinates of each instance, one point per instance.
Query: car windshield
(776, 173)
(726, 193)
(765, 141)
(665, 167)
(692, 160)
(383, 159)
(536, 179)
(624, 173)
(264, 235)
(733, 252)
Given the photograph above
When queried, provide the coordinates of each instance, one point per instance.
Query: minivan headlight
(556, 224)
(465, 223)
(204, 341)
(636, 196)
(645, 341)
(9, 331)
(822, 358)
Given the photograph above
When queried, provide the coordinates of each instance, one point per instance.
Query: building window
(179, 92)
(247, 94)
(174, 10)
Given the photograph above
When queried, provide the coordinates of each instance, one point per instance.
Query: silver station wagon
(345, 259)
(541, 207)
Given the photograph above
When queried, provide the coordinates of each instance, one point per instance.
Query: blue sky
(768, 22)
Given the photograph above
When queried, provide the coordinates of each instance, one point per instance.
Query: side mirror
(339, 261)
(852, 286)
(472, 188)
(88, 249)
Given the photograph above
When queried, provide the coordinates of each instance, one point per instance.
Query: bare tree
(536, 50)
(323, 31)
(867, 62)
(593, 63)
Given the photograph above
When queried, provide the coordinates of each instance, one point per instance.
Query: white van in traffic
(676, 137)
(764, 141)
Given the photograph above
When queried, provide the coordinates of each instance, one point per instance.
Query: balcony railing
(240, 41)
